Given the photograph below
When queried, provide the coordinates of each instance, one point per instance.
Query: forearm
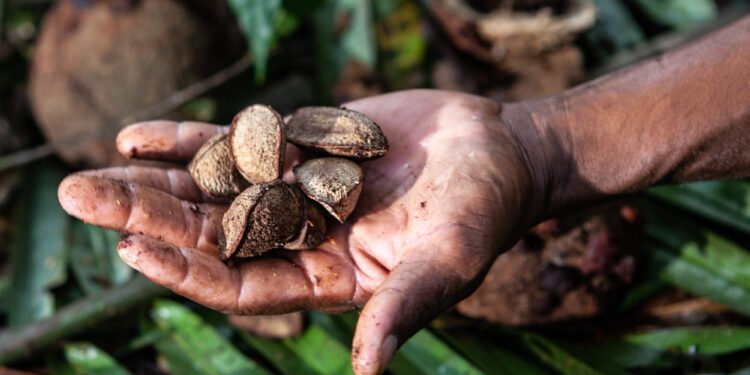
(684, 116)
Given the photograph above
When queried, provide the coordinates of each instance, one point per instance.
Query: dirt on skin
(337, 132)
(335, 183)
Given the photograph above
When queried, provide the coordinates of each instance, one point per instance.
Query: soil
(568, 268)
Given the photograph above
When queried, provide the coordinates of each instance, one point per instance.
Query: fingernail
(386, 351)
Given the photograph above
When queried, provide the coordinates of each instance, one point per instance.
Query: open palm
(433, 215)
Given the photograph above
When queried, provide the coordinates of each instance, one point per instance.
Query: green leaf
(657, 348)
(621, 354)
(320, 351)
(39, 246)
(702, 282)
(678, 13)
(87, 359)
(94, 258)
(489, 356)
(698, 260)
(424, 353)
(358, 41)
(190, 346)
(343, 32)
(556, 357)
(704, 340)
(725, 202)
(284, 359)
(429, 354)
(615, 30)
(256, 20)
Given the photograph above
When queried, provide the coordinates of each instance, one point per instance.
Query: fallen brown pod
(270, 214)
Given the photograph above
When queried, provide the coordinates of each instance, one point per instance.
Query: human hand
(455, 188)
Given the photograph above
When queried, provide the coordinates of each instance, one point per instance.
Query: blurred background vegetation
(656, 284)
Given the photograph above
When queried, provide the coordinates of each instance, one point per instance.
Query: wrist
(542, 139)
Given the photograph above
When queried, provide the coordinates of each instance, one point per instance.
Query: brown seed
(336, 131)
(313, 232)
(261, 218)
(335, 183)
(213, 169)
(257, 143)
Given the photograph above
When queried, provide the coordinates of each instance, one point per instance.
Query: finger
(165, 140)
(293, 157)
(266, 285)
(414, 293)
(135, 208)
(177, 182)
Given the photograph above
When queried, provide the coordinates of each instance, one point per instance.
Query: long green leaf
(39, 246)
(424, 353)
(94, 258)
(490, 357)
(725, 202)
(556, 357)
(615, 30)
(256, 20)
(699, 281)
(87, 359)
(343, 32)
(700, 261)
(657, 348)
(621, 354)
(284, 359)
(678, 13)
(321, 351)
(705, 340)
(190, 346)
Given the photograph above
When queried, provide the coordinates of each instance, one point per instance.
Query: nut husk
(98, 62)
(258, 144)
(335, 183)
(261, 218)
(336, 131)
(313, 232)
(214, 171)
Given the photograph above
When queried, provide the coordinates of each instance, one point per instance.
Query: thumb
(413, 294)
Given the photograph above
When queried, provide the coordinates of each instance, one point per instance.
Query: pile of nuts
(246, 165)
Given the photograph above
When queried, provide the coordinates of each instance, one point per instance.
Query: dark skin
(465, 177)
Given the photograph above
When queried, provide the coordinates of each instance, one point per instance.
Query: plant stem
(77, 317)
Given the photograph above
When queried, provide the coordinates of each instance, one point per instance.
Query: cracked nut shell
(313, 232)
(261, 218)
(336, 131)
(258, 144)
(335, 183)
(213, 169)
